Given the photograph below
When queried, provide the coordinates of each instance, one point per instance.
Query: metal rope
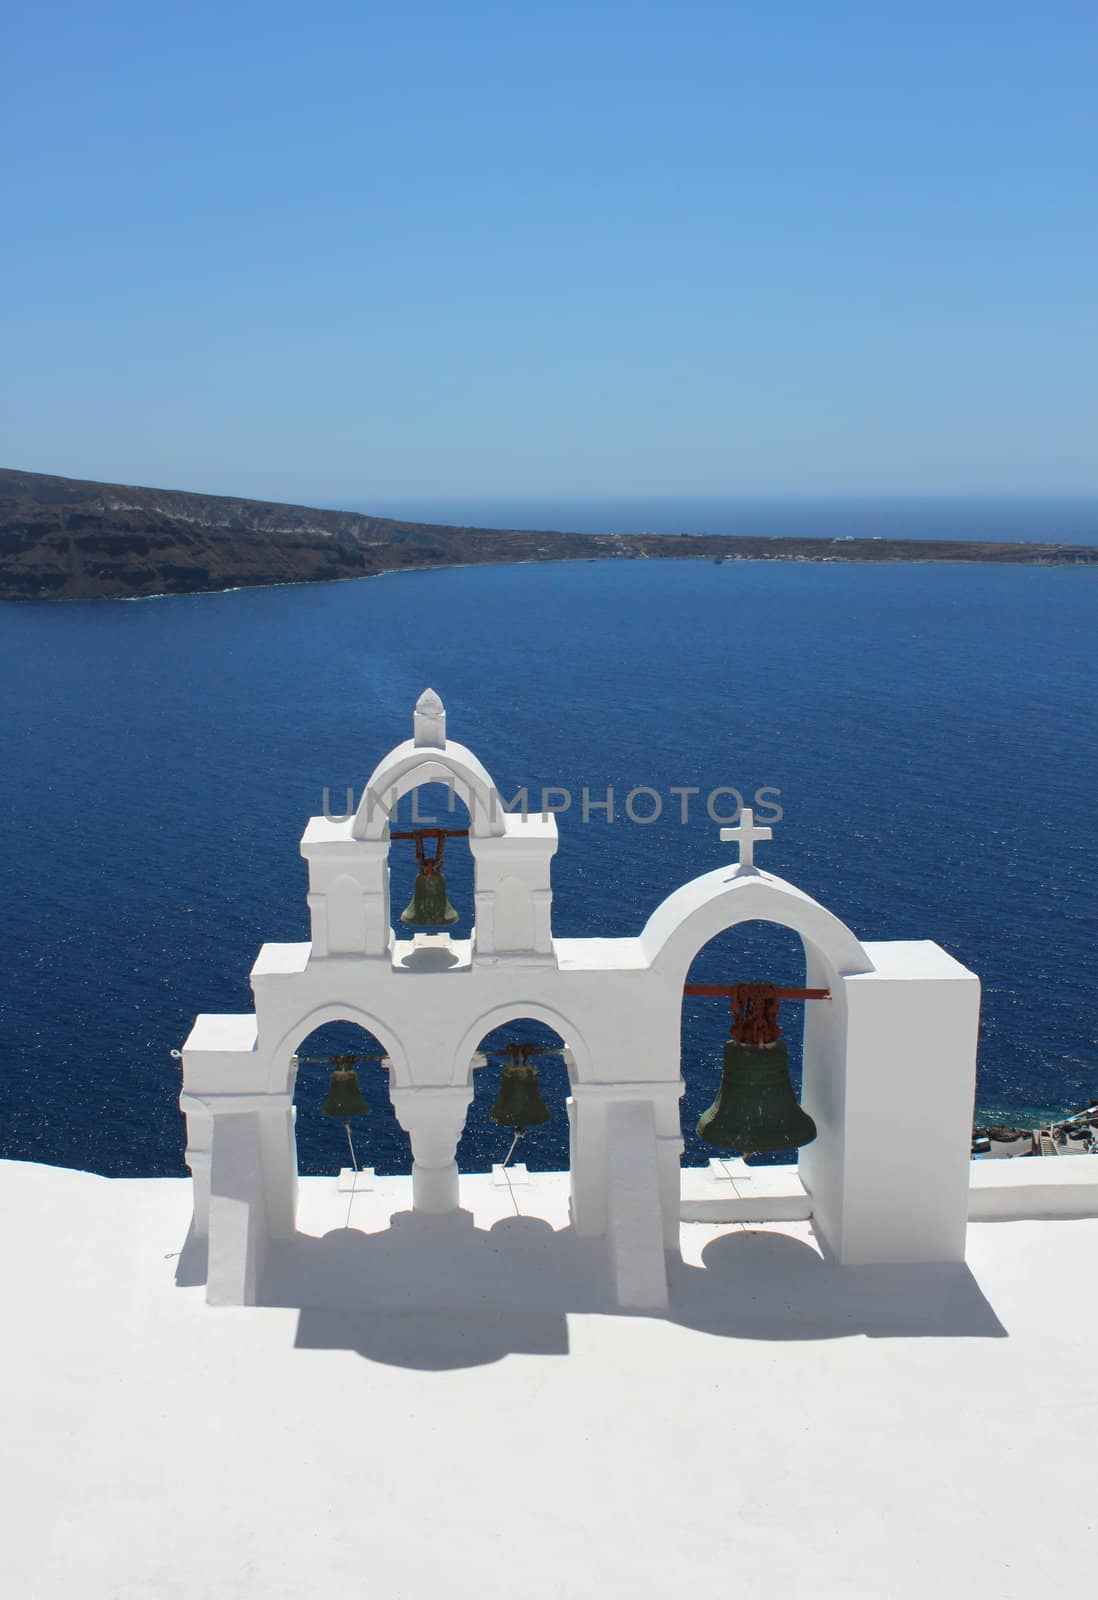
(507, 1175)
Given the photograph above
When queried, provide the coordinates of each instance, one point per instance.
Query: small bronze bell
(429, 906)
(344, 1095)
(519, 1104)
(756, 1108)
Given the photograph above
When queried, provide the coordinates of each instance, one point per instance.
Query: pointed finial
(429, 721)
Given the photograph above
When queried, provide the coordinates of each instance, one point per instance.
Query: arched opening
(379, 1140)
(541, 1148)
(432, 805)
(750, 952)
(454, 768)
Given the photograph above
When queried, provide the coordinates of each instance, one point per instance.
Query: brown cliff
(69, 539)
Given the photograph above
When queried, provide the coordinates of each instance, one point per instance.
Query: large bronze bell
(344, 1096)
(429, 906)
(519, 1104)
(755, 1108)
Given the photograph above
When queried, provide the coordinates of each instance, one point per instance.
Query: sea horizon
(1011, 519)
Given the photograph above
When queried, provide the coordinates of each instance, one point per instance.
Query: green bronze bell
(344, 1096)
(519, 1104)
(756, 1108)
(429, 906)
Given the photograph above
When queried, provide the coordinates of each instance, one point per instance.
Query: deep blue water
(1066, 519)
(932, 730)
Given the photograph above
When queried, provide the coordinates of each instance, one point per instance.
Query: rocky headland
(70, 539)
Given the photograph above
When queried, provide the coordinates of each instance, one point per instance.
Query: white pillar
(586, 1161)
(197, 1157)
(245, 1185)
(588, 1106)
(238, 1235)
(278, 1146)
(433, 1120)
(633, 1202)
(221, 1063)
(890, 1076)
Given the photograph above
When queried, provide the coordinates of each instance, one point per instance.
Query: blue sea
(931, 730)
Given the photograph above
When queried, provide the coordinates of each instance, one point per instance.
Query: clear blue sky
(324, 251)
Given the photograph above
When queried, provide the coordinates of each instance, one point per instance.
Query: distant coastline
(74, 539)
(1051, 518)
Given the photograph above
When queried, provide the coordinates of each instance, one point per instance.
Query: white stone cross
(745, 833)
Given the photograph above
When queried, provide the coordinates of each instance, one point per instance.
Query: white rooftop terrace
(453, 1407)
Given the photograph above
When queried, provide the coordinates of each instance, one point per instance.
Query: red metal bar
(755, 1006)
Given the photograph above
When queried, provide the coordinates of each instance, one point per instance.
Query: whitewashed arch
(281, 1071)
(409, 766)
(518, 1011)
(693, 915)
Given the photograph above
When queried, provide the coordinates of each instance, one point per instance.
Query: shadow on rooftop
(435, 1293)
(758, 1284)
(434, 1341)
